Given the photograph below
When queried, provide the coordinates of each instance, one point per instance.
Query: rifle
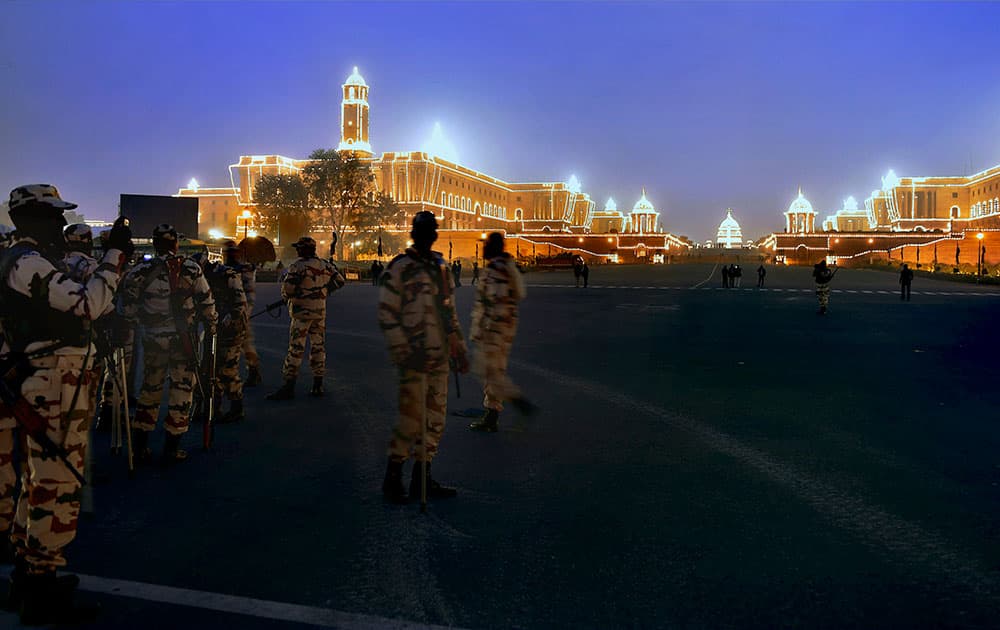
(16, 369)
(206, 435)
(273, 306)
(453, 364)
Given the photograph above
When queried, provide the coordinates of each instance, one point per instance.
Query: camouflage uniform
(231, 306)
(494, 324)
(823, 275)
(44, 307)
(417, 315)
(149, 298)
(248, 278)
(305, 287)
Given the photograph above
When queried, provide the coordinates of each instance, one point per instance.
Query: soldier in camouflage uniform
(231, 306)
(47, 315)
(305, 287)
(416, 312)
(823, 275)
(233, 258)
(166, 294)
(494, 324)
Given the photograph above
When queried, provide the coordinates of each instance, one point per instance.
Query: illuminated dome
(356, 79)
(890, 180)
(801, 204)
(730, 235)
(643, 204)
(440, 145)
(573, 185)
(850, 204)
(611, 206)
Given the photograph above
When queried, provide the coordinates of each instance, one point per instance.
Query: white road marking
(871, 524)
(234, 604)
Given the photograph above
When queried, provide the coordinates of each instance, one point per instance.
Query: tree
(278, 195)
(338, 186)
(378, 211)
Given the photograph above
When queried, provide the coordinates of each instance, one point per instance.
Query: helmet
(165, 232)
(79, 237)
(305, 242)
(425, 219)
(38, 194)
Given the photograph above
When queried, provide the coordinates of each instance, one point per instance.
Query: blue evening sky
(706, 105)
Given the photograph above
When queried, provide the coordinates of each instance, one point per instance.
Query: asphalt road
(704, 458)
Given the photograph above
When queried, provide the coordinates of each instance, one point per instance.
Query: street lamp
(246, 216)
(979, 260)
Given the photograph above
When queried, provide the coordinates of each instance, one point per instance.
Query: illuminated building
(800, 217)
(547, 217)
(929, 222)
(219, 209)
(729, 235)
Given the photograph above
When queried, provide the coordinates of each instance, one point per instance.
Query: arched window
(955, 211)
(351, 93)
(519, 214)
(451, 200)
(444, 198)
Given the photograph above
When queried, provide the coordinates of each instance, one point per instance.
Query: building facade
(729, 235)
(470, 203)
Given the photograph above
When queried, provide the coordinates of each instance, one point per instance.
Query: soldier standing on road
(233, 258)
(166, 295)
(823, 275)
(416, 312)
(306, 285)
(231, 306)
(761, 272)
(475, 272)
(47, 315)
(905, 279)
(494, 324)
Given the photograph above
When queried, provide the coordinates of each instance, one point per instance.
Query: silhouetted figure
(585, 272)
(376, 272)
(905, 279)
(737, 272)
(761, 272)
(725, 276)
(475, 272)
(456, 270)
(578, 270)
(823, 275)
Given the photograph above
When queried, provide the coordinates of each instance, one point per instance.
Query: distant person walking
(376, 271)
(456, 270)
(475, 272)
(578, 270)
(725, 276)
(585, 272)
(905, 279)
(823, 275)
(761, 272)
(738, 273)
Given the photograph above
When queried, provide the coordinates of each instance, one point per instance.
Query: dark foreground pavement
(704, 458)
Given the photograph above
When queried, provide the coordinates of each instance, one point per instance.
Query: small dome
(801, 204)
(573, 185)
(643, 204)
(729, 221)
(890, 180)
(611, 206)
(850, 204)
(729, 235)
(356, 79)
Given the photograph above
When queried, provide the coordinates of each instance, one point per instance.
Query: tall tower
(354, 116)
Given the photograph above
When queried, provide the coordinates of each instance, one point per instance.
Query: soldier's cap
(425, 219)
(79, 233)
(165, 231)
(305, 242)
(44, 194)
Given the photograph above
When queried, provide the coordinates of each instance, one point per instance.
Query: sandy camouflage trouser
(45, 519)
(163, 354)
(489, 363)
(227, 368)
(823, 292)
(406, 434)
(299, 329)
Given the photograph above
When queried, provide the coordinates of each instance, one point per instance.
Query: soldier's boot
(16, 589)
(172, 453)
(317, 388)
(392, 486)
(140, 447)
(48, 599)
(434, 489)
(253, 378)
(285, 392)
(488, 423)
(235, 413)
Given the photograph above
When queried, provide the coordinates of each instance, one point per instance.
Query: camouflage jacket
(416, 311)
(147, 295)
(248, 277)
(80, 267)
(494, 314)
(230, 301)
(41, 304)
(306, 285)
